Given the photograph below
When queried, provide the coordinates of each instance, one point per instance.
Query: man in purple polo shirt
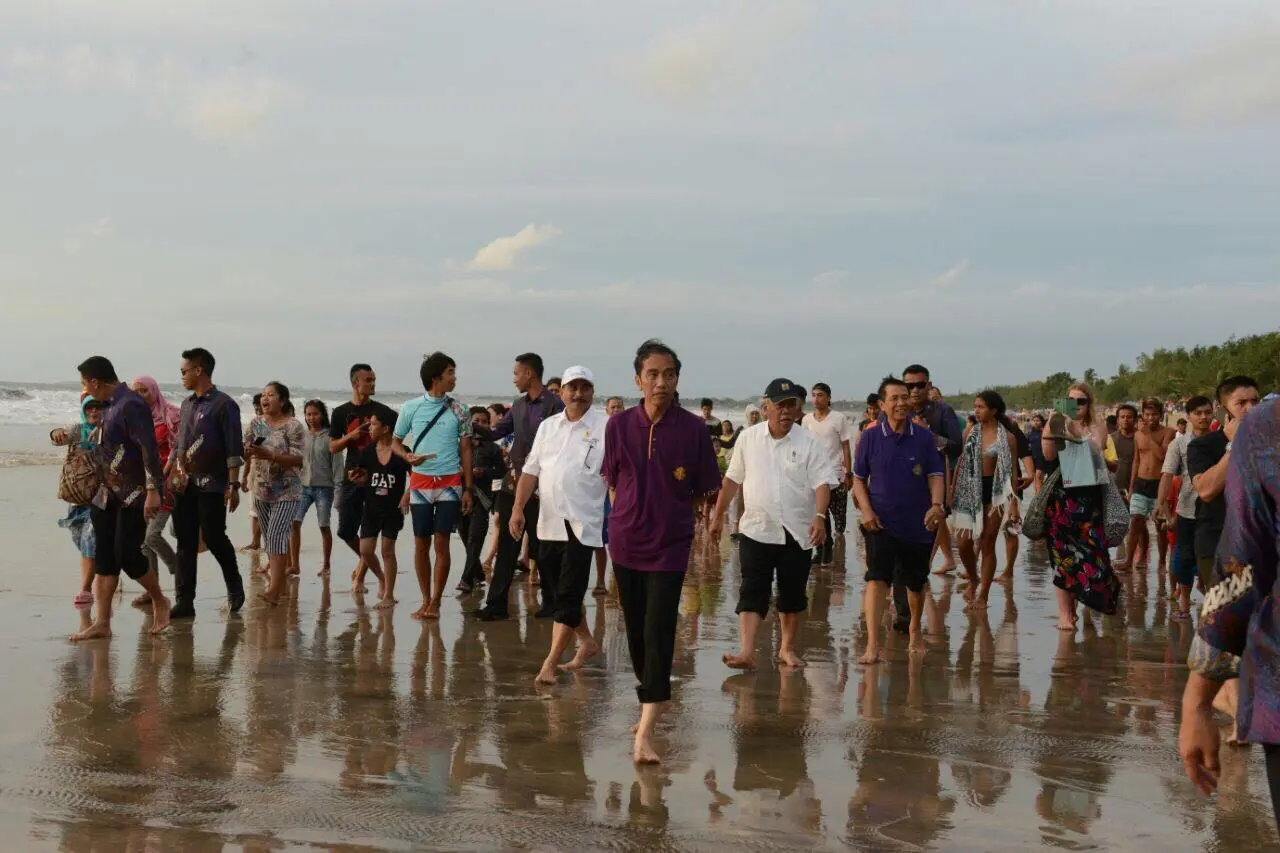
(659, 464)
(899, 484)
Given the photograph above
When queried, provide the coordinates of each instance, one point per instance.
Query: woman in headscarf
(77, 518)
(165, 417)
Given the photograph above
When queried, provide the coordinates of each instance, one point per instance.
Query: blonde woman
(1076, 529)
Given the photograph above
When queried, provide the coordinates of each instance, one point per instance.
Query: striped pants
(276, 520)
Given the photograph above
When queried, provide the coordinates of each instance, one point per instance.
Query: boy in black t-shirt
(382, 476)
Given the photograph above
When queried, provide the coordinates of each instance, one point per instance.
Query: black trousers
(120, 532)
(760, 561)
(197, 513)
(650, 609)
(566, 572)
(504, 567)
(475, 530)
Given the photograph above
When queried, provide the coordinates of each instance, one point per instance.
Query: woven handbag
(1035, 519)
(79, 480)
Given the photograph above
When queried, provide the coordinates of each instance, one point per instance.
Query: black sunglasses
(1081, 401)
(916, 386)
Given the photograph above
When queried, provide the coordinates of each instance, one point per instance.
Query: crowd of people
(573, 486)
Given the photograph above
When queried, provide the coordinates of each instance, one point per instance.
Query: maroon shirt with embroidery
(657, 471)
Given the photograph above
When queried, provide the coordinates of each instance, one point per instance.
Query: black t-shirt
(1203, 452)
(349, 417)
(386, 484)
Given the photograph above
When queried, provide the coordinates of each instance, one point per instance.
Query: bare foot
(635, 727)
(739, 661)
(270, 598)
(294, 570)
(546, 675)
(323, 573)
(385, 604)
(431, 610)
(262, 570)
(916, 644)
(871, 658)
(643, 753)
(584, 654)
(358, 588)
(159, 615)
(600, 591)
(420, 613)
(945, 570)
(790, 658)
(142, 600)
(93, 632)
(1066, 626)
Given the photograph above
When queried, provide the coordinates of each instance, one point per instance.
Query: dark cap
(784, 389)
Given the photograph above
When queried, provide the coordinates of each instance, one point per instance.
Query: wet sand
(328, 726)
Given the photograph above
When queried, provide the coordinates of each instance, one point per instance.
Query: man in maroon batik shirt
(659, 463)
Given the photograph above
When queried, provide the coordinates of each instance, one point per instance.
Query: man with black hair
(899, 484)
(132, 492)
(835, 434)
(948, 430)
(659, 463)
(553, 385)
(1208, 458)
(1183, 568)
(706, 405)
(205, 463)
(349, 433)
(872, 413)
(433, 434)
(535, 404)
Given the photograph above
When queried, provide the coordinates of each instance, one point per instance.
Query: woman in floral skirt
(1076, 528)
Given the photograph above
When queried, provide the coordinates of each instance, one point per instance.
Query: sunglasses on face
(1081, 401)
(916, 386)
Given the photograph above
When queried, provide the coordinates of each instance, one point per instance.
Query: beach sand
(326, 726)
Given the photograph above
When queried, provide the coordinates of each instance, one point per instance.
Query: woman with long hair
(1076, 533)
(275, 440)
(164, 417)
(986, 480)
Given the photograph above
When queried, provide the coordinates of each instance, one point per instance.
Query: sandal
(84, 599)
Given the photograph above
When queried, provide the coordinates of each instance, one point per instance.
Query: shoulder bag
(79, 480)
(1035, 519)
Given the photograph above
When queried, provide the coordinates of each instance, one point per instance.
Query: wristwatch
(1228, 447)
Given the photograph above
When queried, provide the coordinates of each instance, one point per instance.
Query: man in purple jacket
(660, 464)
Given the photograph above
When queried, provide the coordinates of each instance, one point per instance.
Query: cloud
(830, 277)
(1032, 288)
(952, 275)
(230, 104)
(690, 62)
(1235, 82)
(503, 252)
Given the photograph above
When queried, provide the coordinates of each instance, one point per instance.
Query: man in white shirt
(834, 432)
(785, 475)
(564, 465)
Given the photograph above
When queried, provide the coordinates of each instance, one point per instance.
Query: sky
(825, 191)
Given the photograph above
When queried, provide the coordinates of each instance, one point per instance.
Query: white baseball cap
(577, 372)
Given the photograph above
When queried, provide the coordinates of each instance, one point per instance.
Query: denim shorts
(1141, 504)
(322, 497)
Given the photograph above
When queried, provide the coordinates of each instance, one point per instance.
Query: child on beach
(321, 473)
(384, 476)
(84, 435)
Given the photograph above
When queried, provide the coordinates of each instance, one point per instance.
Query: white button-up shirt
(833, 431)
(779, 479)
(566, 457)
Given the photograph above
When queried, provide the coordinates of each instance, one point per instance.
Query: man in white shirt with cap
(564, 467)
(785, 475)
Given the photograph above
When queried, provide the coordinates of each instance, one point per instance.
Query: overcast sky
(821, 190)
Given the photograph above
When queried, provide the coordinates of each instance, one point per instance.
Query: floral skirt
(81, 528)
(1077, 542)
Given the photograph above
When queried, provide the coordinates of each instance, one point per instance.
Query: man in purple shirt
(1241, 619)
(205, 464)
(899, 484)
(660, 464)
(131, 493)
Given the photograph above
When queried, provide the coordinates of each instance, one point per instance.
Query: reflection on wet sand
(326, 725)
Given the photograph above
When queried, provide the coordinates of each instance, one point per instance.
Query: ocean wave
(14, 393)
(27, 459)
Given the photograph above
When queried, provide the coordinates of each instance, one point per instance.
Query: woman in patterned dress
(1076, 529)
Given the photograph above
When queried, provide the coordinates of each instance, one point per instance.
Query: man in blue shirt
(438, 433)
(899, 484)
